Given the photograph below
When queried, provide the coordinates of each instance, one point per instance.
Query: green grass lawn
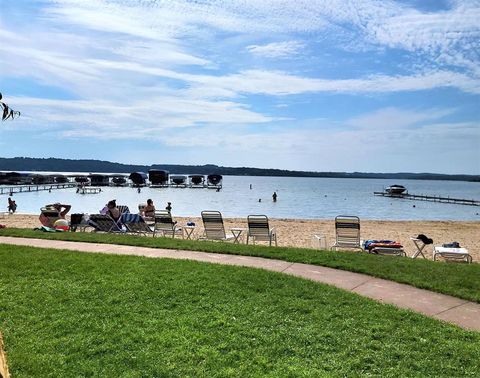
(66, 314)
(460, 280)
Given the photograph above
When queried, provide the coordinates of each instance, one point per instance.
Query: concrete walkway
(461, 312)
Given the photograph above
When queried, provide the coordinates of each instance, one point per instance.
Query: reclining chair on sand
(384, 247)
(104, 223)
(347, 232)
(165, 225)
(452, 252)
(135, 224)
(213, 226)
(259, 230)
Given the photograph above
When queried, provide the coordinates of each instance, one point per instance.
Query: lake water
(298, 197)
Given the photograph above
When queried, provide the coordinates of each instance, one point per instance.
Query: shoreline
(301, 232)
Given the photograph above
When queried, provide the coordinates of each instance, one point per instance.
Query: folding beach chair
(165, 226)
(135, 224)
(104, 223)
(347, 232)
(213, 226)
(259, 230)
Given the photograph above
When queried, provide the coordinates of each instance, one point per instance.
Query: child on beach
(12, 206)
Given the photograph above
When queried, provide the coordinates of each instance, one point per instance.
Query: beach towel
(48, 229)
(130, 218)
(425, 239)
(368, 245)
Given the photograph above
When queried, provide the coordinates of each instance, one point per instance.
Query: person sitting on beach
(62, 209)
(149, 210)
(12, 206)
(53, 212)
(113, 210)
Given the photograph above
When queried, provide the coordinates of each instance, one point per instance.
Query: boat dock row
(155, 178)
(421, 197)
(34, 188)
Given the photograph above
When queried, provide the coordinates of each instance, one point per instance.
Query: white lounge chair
(213, 226)
(165, 226)
(347, 232)
(259, 230)
(456, 254)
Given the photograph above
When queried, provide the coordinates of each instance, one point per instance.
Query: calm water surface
(307, 198)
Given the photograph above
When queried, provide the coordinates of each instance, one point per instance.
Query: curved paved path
(461, 312)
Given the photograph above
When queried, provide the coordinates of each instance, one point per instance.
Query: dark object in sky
(7, 112)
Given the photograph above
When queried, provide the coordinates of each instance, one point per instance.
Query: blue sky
(320, 85)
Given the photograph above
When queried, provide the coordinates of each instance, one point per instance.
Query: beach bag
(76, 219)
(451, 245)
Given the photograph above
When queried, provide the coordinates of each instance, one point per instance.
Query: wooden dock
(9, 190)
(421, 197)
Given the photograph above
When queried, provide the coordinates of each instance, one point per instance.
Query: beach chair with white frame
(259, 230)
(347, 232)
(165, 226)
(213, 226)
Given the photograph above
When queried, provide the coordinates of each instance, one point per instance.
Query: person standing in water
(274, 196)
(12, 206)
(169, 207)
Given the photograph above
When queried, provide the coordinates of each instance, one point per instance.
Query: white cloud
(176, 71)
(393, 118)
(139, 119)
(277, 49)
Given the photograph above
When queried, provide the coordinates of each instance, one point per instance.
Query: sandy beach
(300, 233)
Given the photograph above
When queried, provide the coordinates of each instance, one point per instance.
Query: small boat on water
(138, 178)
(214, 181)
(82, 180)
(119, 180)
(158, 177)
(395, 189)
(196, 181)
(178, 180)
(99, 179)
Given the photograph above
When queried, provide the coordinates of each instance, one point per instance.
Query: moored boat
(395, 189)
(138, 178)
(196, 181)
(99, 179)
(178, 180)
(158, 177)
(214, 181)
(119, 180)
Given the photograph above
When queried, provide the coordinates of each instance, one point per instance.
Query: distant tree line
(83, 165)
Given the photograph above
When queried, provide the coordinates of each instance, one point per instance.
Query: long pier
(421, 197)
(35, 188)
